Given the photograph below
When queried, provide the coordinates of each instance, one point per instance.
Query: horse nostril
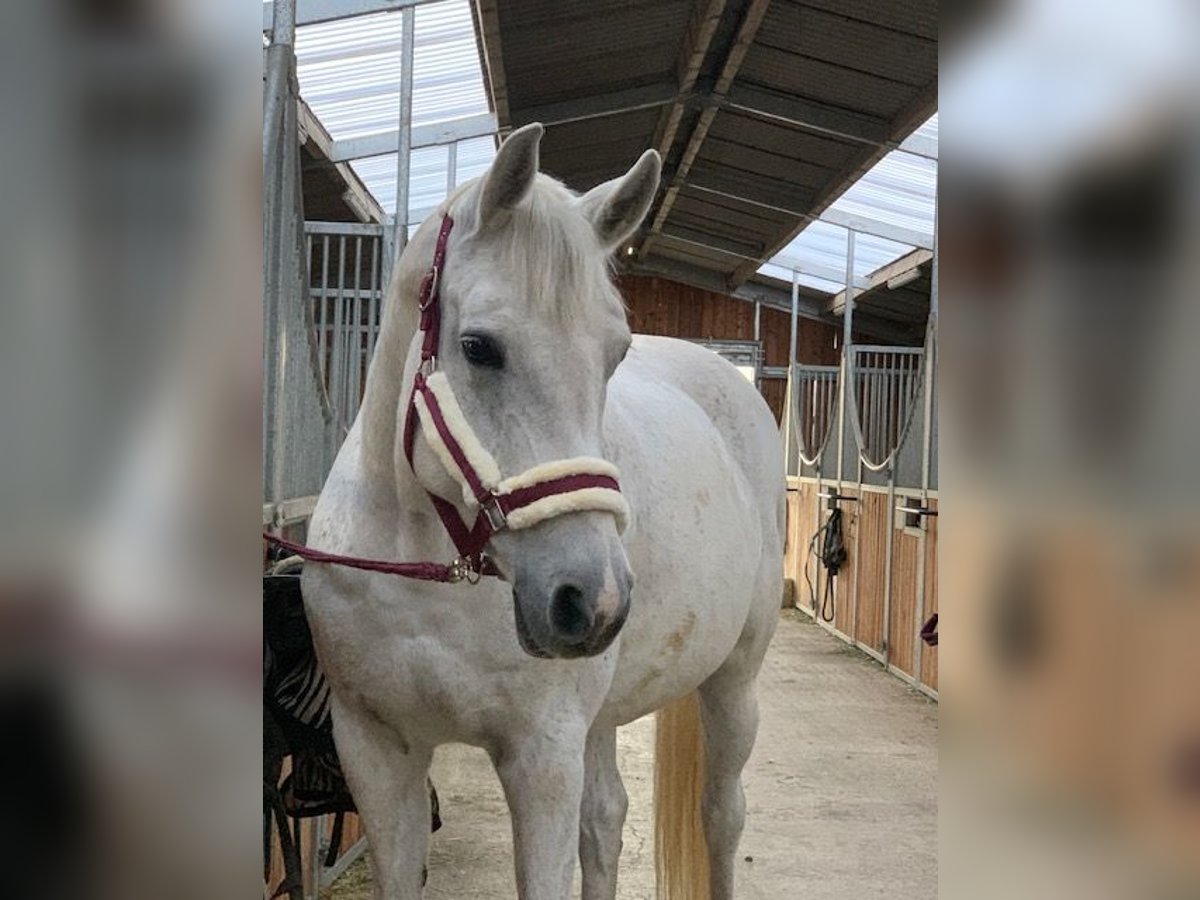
(569, 612)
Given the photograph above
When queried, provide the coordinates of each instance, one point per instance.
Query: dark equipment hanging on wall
(832, 555)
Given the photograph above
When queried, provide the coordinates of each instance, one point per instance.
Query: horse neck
(385, 397)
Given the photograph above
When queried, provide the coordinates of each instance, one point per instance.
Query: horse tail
(680, 850)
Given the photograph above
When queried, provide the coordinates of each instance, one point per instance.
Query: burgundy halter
(544, 491)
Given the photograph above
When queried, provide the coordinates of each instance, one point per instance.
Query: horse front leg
(387, 776)
(543, 783)
(602, 815)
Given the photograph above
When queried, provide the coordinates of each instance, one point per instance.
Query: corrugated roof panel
(428, 175)
(349, 73)
(899, 191)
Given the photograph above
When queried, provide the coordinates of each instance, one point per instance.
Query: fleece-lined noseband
(519, 501)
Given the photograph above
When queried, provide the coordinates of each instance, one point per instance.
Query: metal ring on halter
(458, 569)
(428, 366)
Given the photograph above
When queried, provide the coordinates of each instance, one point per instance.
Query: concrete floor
(841, 791)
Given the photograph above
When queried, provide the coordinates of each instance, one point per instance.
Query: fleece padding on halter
(550, 489)
(454, 442)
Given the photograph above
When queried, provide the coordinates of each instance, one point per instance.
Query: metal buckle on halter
(428, 366)
(495, 515)
(464, 569)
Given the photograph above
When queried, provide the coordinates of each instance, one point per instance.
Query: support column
(396, 234)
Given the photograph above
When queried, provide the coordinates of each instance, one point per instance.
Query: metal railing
(346, 277)
(885, 383)
(813, 400)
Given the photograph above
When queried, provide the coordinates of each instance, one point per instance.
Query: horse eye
(481, 350)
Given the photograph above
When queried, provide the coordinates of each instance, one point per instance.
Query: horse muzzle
(573, 613)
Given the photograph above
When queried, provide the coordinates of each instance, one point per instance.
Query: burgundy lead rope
(422, 571)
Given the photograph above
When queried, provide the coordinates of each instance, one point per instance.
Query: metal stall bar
(758, 341)
(931, 340)
(280, 66)
(357, 338)
(375, 305)
(851, 377)
(847, 356)
(788, 424)
(398, 231)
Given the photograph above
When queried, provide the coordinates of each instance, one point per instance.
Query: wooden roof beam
(729, 69)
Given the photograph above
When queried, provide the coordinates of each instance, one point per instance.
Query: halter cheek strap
(520, 501)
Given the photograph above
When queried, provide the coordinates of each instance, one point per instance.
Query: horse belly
(696, 547)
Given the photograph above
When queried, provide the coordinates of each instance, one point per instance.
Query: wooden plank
(872, 545)
(929, 655)
(904, 597)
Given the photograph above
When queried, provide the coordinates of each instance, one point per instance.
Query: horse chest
(452, 672)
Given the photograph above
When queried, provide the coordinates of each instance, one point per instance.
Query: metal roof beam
(448, 132)
(833, 121)
(597, 106)
(314, 12)
(482, 125)
(706, 243)
(808, 114)
(876, 228)
(834, 274)
(873, 227)
(754, 190)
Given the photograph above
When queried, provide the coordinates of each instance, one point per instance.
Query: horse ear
(511, 176)
(617, 207)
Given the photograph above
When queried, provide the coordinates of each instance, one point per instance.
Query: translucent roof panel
(428, 176)
(898, 192)
(349, 73)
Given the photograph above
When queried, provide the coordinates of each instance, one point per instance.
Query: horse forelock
(548, 250)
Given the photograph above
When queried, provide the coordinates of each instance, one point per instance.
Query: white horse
(535, 667)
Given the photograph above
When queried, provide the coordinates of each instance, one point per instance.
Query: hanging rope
(911, 402)
(820, 412)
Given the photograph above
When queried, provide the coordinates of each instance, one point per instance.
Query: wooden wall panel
(929, 655)
(904, 593)
(871, 548)
(664, 307)
(793, 550)
(866, 528)
(843, 619)
(804, 510)
(867, 532)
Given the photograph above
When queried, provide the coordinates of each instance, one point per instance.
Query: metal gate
(885, 384)
(812, 402)
(347, 275)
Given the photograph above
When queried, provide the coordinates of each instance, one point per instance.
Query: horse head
(531, 330)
